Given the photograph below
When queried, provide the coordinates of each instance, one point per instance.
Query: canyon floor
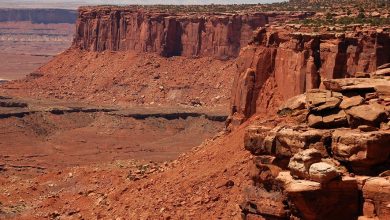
(25, 46)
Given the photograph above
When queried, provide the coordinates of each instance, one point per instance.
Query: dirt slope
(189, 188)
(127, 78)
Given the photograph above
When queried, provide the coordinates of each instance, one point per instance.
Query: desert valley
(245, 111)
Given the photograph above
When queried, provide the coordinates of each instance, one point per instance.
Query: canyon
(164, 113)
(30, 38)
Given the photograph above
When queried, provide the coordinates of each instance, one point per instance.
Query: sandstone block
(351, 102)
(372, 114)
(300, 163)
(362, 150)
(322, 172)
(320, 100)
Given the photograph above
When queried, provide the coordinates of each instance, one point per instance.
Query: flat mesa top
(178, 8)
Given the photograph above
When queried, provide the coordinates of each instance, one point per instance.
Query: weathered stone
(291, 140)
(311, 199)
(254, 138)
(322, 172)
(331, 120)
(362, 150)
(376, 193)
(314, 121)
(361, 85)
(300, 163)
(293, 104)
(262, 202)
(372, 114)
(263, 174)
(336, 120)
(350, 102)
(319, 100)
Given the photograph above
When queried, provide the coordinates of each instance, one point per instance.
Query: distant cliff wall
(192, 35)
(45, 16)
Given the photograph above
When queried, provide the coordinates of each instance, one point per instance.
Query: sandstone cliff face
(280, 64)
(118, 29)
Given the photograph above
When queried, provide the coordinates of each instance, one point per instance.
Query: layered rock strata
(192, 35)
(326, 156)
(282, 63)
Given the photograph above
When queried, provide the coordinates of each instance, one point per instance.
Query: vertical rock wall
(280, 64)
(191, 35)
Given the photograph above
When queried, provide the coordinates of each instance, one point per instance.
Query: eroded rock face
(339, 154)
(121, 29)
(361, 150)
(287, 64)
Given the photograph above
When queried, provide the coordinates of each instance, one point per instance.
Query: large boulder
(351, 102)
(361, 150)
(372, 114)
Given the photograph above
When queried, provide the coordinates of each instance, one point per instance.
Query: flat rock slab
(355, 84)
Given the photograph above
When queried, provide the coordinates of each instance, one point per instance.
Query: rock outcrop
(327, 146)
(192, 35)
(281, 63)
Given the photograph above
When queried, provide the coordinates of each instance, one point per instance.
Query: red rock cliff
(280, 64)
(192, 35)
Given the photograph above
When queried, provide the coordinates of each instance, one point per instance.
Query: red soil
(128, 78)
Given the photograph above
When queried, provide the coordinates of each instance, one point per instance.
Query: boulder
(336, 120)
(322, 172)
(300, 163)
(361, 150)
(372, 114)
(314, 121)
(351, 102)
(292, 140)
